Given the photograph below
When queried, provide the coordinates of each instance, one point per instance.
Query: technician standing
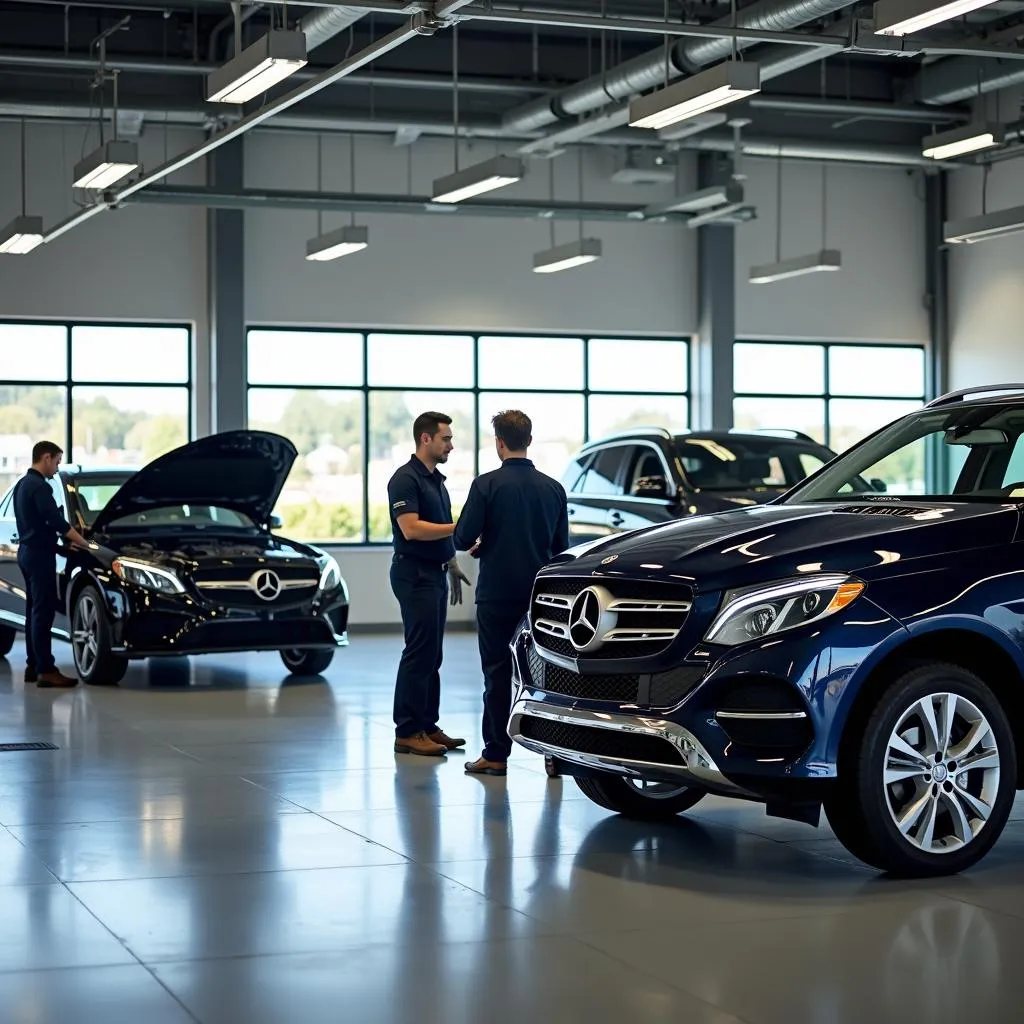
(39, 525)
(421, 518)
(519, 517)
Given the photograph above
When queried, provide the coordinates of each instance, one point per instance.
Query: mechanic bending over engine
(424, 559)
(39, 524)
(515, 520)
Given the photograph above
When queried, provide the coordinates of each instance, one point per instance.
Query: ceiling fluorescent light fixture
(22, 235)
(259, 67)
(724, 83)
(988, 225)
(696, 202)
(107, 165)
(905, 17)
(474, 181)
(331, 246)
(967, 139)
(693, 126)
(813, 263)
(564, 257)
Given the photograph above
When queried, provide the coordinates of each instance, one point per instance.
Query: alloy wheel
(85, 635)
(941, 773)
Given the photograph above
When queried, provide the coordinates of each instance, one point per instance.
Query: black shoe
(31, 675)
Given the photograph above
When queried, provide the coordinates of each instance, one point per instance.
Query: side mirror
(275, 522)
(878, 485)
(651, 487)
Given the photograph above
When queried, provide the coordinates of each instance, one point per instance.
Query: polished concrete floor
(215, 842)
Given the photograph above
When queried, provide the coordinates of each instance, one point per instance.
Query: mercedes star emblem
(267, 584)
(590, 620)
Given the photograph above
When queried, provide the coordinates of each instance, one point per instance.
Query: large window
(347, 400)
(110, 394)
(835, 393)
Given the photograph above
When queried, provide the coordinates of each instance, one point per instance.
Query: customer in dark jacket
(518, 516)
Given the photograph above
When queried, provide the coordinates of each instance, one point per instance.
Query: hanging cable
(24, 175)
(551, 190)
(319, 182)
(778, 208)
(352, 168)
(579, 151)
(455, 91)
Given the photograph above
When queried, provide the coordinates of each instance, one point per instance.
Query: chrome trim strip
(636, 604)
(631, 635)
(554, 600)
(762, 715)
(558, 629)
(698, 766)
(308, 581)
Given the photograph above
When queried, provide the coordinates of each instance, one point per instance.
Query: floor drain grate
(28, 746)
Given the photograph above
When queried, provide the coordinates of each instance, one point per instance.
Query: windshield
(970, 453)
(93, 493)
(741, 464)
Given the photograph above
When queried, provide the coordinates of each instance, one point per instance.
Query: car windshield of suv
(740, 464)
(970, 452)
(94, 492)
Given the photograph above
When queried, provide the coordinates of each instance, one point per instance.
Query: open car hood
(244, 470)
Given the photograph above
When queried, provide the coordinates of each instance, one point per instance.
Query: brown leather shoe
(481, 766)
(420, 744)
(55, 678)
(445, 740)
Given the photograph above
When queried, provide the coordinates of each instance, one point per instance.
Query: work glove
(456, 577)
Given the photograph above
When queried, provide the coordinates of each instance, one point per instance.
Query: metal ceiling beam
(289, 199)
(419, 24)
(859, 109)
(960, 79)
(198, 69)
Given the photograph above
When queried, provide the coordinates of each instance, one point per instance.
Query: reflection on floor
(213, 842)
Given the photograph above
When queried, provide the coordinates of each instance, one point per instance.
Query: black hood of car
(741, 548)
(244, 470)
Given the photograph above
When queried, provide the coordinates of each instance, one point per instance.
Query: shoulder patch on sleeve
(398, 504)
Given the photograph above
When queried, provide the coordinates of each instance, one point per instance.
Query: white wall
(876, 219)
(448, 270)
(136, 263)
(986, 283)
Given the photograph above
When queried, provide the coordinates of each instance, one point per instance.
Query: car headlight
(152, 577)
(751, 613)
(330, 573)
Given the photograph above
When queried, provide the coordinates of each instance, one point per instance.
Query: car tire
(95, 664)
(8, 634)
(932, 782)
(642, 801)
(306, 662)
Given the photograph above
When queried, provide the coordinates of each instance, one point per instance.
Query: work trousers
(39, 568)
(496, 625)
(422, 592)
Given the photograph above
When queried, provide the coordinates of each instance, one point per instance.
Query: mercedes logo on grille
(267, 584)
(590, 620)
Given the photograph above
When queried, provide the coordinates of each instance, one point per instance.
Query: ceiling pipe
(960, 79)
(186, 68)
(419, 24)
(685, 57)
(860, 109)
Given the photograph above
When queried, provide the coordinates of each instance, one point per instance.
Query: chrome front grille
(588, 617)
(257, 586)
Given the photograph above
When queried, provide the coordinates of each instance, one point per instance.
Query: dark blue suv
(856, 644)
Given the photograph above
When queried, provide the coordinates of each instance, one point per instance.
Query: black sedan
(182, 560)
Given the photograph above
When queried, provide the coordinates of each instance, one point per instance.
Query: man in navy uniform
(421, 518)
(39, 525)
(518, 515)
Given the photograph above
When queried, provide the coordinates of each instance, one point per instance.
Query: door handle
(617, 519)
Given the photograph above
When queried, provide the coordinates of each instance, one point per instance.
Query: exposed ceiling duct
(960, 79)
(686, 56)
(326, 22)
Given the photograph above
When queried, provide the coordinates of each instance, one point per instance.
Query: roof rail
(958, 396)
(632, 432)
(797, 435)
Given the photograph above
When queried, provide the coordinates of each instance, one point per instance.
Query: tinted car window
(644, 462)
(729, 464)
(571, 476)
(196, 516)
(602, 477)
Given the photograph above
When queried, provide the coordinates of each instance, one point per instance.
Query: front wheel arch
(969, 650)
